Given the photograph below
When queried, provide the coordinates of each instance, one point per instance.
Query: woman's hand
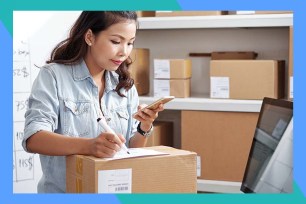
(106, 145)
(147, 116)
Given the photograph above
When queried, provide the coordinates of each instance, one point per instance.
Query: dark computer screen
(274, 117)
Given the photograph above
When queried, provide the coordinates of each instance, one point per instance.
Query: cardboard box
(272, 12)
(222, 140)
(172, 68)
(162, 134)
(290, 64)
(180, 88)
(189, 13)
(140, 70)
(233, 55)
(145, 13)
(171, 173)
(247, 79)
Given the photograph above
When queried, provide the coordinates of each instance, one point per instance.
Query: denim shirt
(65, 100)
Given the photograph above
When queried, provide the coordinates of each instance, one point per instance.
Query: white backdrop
(35, 35)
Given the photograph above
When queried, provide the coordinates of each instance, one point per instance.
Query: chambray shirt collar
(81, 72)
(111, 81)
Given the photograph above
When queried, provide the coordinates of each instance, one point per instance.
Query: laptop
(269, 168)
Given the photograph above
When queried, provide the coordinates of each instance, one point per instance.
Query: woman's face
(111, 47)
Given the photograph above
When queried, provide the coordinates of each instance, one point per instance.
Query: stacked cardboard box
(145, 13)
(174, 172)
(140, 70)
(172, 77)
(162, 134)
(222, 141)
(272, 12)
(233, 55)
(247, 79)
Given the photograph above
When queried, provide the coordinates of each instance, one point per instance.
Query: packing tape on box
(78, 185)
(79, 165)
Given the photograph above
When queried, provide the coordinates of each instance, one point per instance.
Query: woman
(86, 78)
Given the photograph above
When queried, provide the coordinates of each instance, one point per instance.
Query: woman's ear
(89, 37)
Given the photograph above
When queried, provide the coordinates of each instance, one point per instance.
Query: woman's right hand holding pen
(106, 145)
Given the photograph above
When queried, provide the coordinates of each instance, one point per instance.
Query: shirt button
(109, 119)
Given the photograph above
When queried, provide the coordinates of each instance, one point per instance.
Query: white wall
(35, 35)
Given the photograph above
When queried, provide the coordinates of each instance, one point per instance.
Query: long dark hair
(74, 48)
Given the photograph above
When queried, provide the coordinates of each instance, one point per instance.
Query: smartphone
(156, 103)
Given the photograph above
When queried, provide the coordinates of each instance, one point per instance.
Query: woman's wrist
(145, 127)
(83, 146)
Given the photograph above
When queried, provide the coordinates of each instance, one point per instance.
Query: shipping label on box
(161, 88)
(161, 69)
(219, 87)
(115, 181)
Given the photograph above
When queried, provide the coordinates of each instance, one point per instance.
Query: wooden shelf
(218, 186)
(223, 21)
(207, 104)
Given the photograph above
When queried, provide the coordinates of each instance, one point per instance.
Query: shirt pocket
(76, 118)
(123, 118)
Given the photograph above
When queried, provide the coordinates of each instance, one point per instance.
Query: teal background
(6, 33)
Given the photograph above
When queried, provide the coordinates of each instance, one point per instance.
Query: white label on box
(198, 166)
(219, 87)
(291, 87)
(115, 181)
(161, 88)
(161, 69)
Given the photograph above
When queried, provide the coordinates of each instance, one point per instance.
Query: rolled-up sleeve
(43, 105)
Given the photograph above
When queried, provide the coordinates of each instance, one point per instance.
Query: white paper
(135, 152)
(219, 87)
(18, 135)
(161, 88)
(21, 51)
(21, 76)
(161, 69)
(20, 103)
(198, 166)
(291, 87)
(24, 166)
(115, 181)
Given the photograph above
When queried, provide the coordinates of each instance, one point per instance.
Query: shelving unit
(172, 26)
(175, 37)
(224, 21)
(207, 104)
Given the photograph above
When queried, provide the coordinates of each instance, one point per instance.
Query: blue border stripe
(6, 102)
(6, 8)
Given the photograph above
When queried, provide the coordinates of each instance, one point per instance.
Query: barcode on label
(121, 188)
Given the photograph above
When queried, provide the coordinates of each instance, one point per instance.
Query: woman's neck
(96, 72)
